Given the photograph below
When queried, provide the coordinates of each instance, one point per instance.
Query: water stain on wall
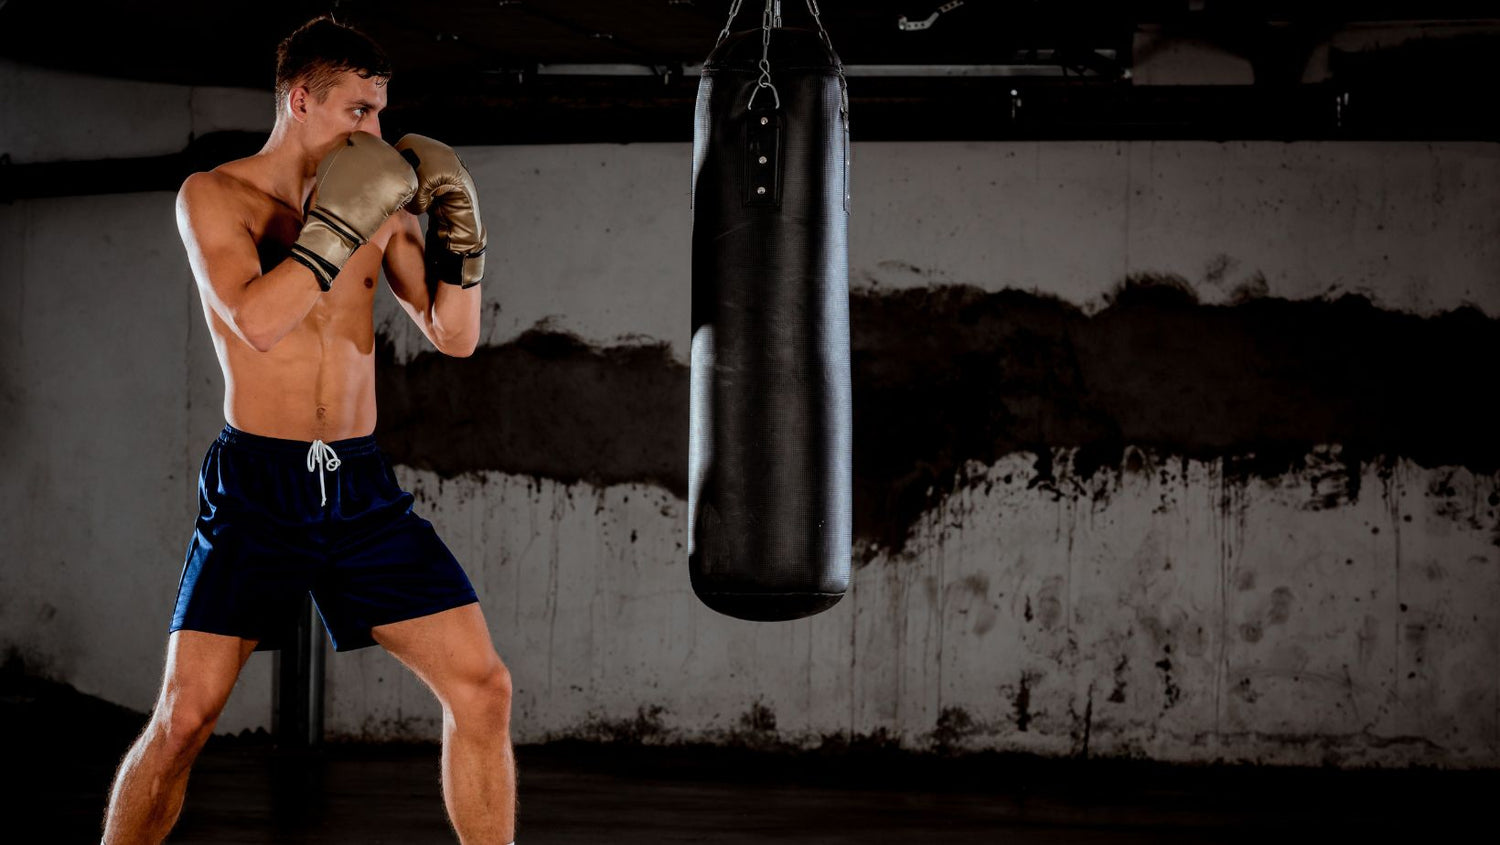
(546, 405)
(946, 375)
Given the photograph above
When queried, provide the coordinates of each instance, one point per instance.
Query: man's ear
(296, 103)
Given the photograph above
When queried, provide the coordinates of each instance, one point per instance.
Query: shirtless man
(294, 494)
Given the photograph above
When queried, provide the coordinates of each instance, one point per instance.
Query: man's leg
(146, 799)
(451, 652)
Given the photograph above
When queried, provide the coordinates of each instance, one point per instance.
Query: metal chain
(767, 20)
(812, 6)
(734, 9)
(765, 57)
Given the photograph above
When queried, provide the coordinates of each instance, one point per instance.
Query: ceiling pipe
(1039, 66)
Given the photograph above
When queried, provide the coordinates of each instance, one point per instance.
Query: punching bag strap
(763, 138)
(763, 160)
(763, 132)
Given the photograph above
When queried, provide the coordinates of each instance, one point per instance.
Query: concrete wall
(1165, 449)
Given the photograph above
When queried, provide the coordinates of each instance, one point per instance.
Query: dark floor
(61, 748)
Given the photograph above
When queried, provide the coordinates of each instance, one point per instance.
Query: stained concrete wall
(1175, 450)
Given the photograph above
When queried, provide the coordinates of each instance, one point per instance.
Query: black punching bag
(769, 489)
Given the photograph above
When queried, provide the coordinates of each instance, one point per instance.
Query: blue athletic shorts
(280, 518)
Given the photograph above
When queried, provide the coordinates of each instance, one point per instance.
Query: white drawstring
(321, 456)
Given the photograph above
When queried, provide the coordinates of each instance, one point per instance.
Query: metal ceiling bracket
(905, 24)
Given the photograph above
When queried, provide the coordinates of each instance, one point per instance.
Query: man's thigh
(450, 650)
(200, 672)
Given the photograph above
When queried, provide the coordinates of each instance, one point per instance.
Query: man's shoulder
(209, 183)
(203, 192)
(220, 193)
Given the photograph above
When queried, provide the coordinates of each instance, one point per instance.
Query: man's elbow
(458, 348)
(456, 342)
(261, 343)
(258, 337)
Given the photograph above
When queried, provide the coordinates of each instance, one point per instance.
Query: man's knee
(485, 697)
(185, 728)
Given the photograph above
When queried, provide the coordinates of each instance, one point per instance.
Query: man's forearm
(455, 318)
(273, 303)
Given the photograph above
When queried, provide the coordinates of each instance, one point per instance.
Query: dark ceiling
(477, 72)
(232, 42)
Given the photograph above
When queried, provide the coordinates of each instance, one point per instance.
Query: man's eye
(360, 112)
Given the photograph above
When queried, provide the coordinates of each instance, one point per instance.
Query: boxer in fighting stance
(294, 495)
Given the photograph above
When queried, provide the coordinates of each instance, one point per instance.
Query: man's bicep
(220, 250)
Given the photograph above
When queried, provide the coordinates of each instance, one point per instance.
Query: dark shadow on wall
(948, 375)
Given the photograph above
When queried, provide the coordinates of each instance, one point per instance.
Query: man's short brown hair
(319, 51)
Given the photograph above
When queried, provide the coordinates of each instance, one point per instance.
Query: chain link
(766, 20)
(817, 14)
(812, 6)
(734, 9)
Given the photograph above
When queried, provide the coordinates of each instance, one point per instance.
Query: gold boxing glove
(446, 194)
(360, 184)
